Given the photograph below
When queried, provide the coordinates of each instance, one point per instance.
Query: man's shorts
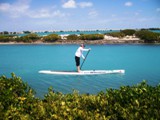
(77, 59)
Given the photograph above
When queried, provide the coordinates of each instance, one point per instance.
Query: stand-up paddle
(84, 59)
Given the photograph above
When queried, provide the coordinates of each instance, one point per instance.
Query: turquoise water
(141, 62)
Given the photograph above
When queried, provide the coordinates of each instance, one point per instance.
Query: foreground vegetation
(146, 35)
(18, 101)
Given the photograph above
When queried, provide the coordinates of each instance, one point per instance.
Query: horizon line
(73, 30)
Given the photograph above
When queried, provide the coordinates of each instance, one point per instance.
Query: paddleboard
(83, 72)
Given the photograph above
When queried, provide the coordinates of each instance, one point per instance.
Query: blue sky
(21, 15)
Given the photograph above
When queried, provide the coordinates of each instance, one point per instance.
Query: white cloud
(69, 4)
(16, 9)
(22, 8)
(74, 4)
(59, 13)
(45, 13)
(128, 4)
(85, 4)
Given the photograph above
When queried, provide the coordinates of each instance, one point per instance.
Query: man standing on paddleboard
(78, 54)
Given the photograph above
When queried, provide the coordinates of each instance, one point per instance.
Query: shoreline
(88, 42)
(96, 42)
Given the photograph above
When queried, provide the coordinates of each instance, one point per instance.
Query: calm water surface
(141, 62)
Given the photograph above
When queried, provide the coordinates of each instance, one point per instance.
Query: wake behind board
(84, 72)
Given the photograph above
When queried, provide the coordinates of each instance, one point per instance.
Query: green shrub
(136, 102)
(129, 102)
(6, 38)
(33, 36)
(128, 31)
(91, 36)
(28, 38)
(116, 34)
(148, 36)
(16, 98)
(72, 37)
(51, 38)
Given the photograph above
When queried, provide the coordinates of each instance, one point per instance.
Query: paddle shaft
(84, 59)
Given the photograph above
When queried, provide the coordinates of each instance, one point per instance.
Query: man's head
(82, 45)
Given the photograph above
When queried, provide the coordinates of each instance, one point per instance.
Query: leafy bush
(12, 38)
(91, 36)
(33, 36)
(116, 34)
(4, 38)
(122, 33)
(16, 97)
(28, 38)
(7, 38)
(51, 38)
(128, 31)
(72, 37)
(17, 101)
(148, 36)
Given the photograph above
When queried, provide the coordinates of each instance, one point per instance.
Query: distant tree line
(146, 35)
(10, 33)
(32, 37)
(150, 29)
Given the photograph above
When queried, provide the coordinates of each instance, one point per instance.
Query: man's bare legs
(78, 69)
